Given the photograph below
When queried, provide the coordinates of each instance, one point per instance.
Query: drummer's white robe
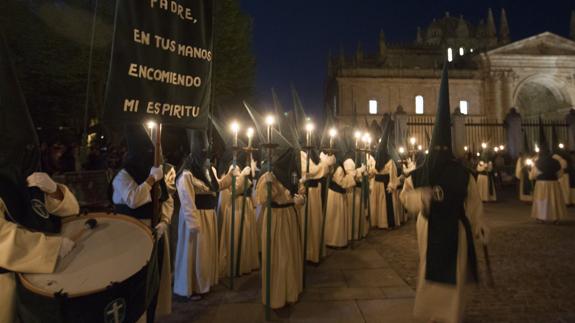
(129, 193)
(249, 260)
(196, 267)
(483, 183)
(437, 301)
(28, 252)
(520, 175)
(286, 250)
(314, 205)
(548, 203)
(338, 213)
(378, 197)
(564, 180)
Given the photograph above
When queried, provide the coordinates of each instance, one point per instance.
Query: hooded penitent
(140, 155)
(382, 154)
(546, 164)
(443, 172)
(286, 163)
(198, 161)
(19, 154)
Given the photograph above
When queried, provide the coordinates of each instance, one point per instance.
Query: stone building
(489, 73)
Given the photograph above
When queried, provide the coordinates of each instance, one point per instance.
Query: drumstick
(90, 224)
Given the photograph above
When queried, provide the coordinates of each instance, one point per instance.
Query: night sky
(291, 39)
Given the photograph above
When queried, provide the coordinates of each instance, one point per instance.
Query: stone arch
(542, 94)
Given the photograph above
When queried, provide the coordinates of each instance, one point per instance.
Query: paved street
(533, 267)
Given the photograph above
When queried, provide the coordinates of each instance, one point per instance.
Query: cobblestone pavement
(533, 268)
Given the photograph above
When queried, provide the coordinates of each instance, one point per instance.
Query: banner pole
(306, 216)
(242, 216)
(157, 131)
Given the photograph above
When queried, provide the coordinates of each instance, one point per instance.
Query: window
(419, 104)
(449, 54)
(463, 106)
(461, 51)
(372, 107)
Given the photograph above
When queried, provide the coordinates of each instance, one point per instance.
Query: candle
(235, 128)
(332, 133)
(308, 129)
(250, 134)
(357, 136)
(270, 122)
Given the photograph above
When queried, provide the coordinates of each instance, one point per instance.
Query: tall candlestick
(235, 129)
(250, 134)
(308, 129)
(332, 133)
(270, 122)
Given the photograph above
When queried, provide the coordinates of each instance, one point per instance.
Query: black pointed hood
(140, 152)
(526, 149)
(440, 151)
(198, 161)
(543, 144)
(19, 153)
(382, 154)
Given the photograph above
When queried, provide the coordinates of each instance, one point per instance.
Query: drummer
(132, 196)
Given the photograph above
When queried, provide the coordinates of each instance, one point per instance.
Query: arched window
(463, 107)
(372, 107)
(461, 51)
(419, 104)
(449, 54)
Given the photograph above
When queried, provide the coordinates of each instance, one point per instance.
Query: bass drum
(106, 278)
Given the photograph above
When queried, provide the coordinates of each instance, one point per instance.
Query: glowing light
(536, 149)
(426, 151)
(270, 120)
(450, 55)
(483, 145)
(412, 141)
(561, 146)
(529, 162)
(461, 51)
(332, 132)
(309, 127)
(419, 147)
(235, 127)
(151, 125)
(250, 132)
(357, 135)
(496, 149)
(501, 147)
(478, 154)
(401, 150)
(466, 148)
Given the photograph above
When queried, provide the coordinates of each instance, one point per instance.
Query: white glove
(43, 182)
(235, 171)
(303, 178)
(157, 173)
(66, 247)
(389, 189)
(161, 229)
(299, 199)
(246, 171)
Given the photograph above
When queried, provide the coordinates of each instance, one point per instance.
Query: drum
(106, 277)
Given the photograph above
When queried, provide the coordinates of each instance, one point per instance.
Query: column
(496, 92)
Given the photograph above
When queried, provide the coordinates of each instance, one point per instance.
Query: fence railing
(481, 129)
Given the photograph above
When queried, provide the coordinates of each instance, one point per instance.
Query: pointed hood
(198, 162)
(19, 153)
(382, 154)
(286, 161)
(526, 149)
(140, 155)
(440, 146)
(543, 144)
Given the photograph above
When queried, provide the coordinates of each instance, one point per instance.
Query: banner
(161, 67)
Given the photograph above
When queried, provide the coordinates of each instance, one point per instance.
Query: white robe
(249, 251)
(25, 251)
(338, 213)
(378, 197)
(286, 250)
(129, 193)
(519, 166)
(483, 182)
(548, 202)
(437, 301)
(196, 267)
(564, 180)
(315, 210)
